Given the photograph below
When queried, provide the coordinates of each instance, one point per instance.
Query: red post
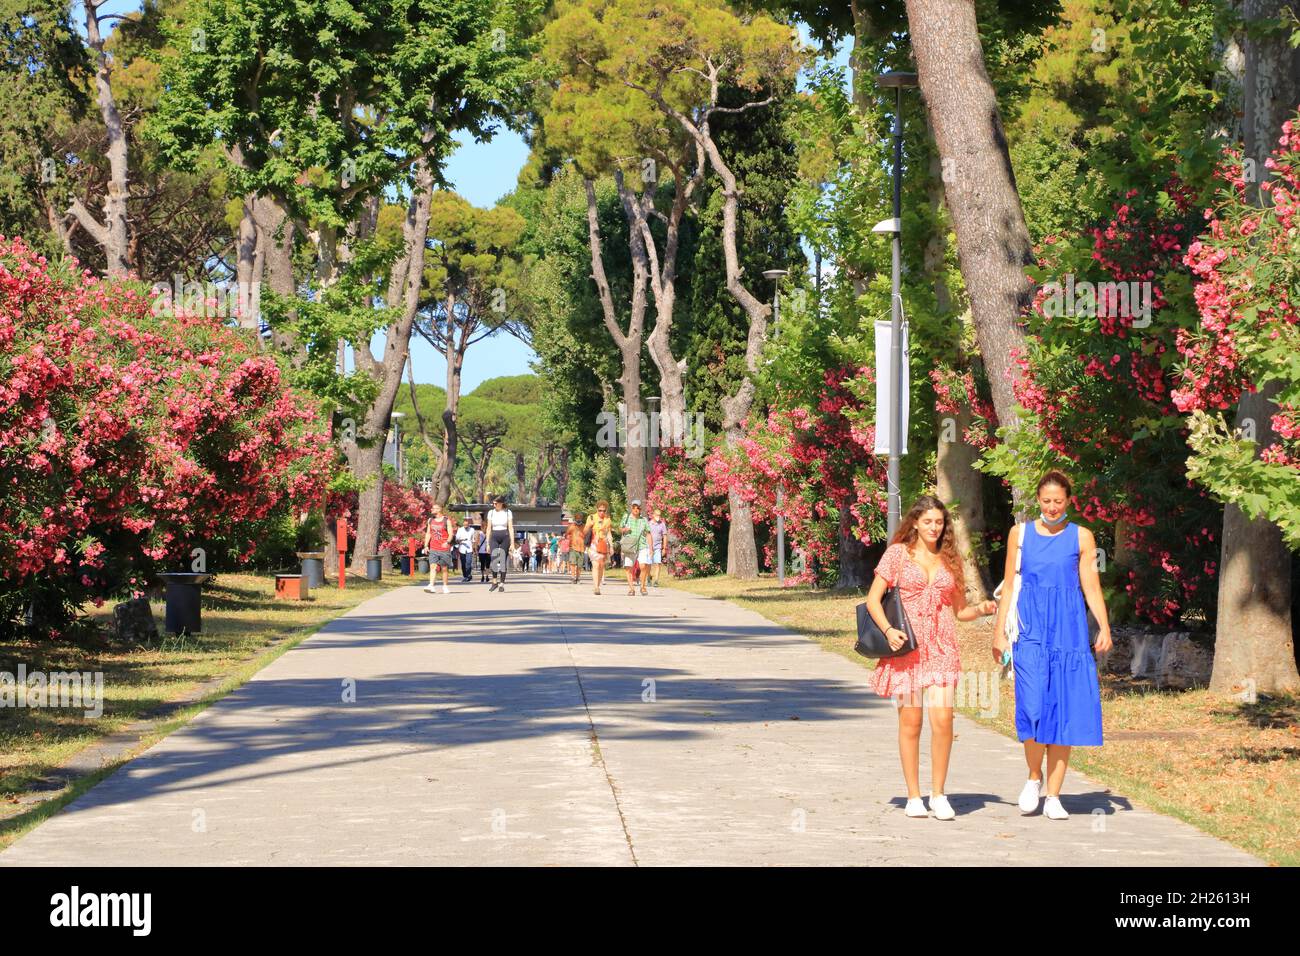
(342, 534)
(410, 550)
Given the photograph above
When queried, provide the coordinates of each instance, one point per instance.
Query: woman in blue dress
(1058, 700)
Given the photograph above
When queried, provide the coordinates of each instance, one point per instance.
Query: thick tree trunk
(634, 453)
(407, 275)
(662, 273)
(247, 262)
(628, 343)
(331, 546)
(521, 477)
(112, 235)
(368, 463)
(276, 230)
(959, 483)
(1254, 646)
(957, 480)
(742, 551)
(455, 358)
(562, 477)
(992, 240)
(854, 568)
(480, 472)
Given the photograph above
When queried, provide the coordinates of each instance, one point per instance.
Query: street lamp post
(898, 81)
(776, 275)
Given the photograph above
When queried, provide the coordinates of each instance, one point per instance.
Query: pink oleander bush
(695, 513)
(403, 514)
(822, 459)
(1247, 270)
(129, 438)
(1097, 381)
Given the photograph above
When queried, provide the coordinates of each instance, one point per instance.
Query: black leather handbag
(871, 639)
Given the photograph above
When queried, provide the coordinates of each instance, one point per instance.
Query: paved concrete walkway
(547, 726)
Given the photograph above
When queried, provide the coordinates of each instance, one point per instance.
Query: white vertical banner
(884, 381)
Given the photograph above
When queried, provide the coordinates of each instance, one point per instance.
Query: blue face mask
(1047, 521)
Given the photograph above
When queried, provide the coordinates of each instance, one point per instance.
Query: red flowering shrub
(823, 461)
(695, 513)
(403, 514)
(128, 439)
(1247, 336)
(1097, 385)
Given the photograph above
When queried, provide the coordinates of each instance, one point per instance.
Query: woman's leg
(1058, 761)
(939, 701)
(910, 714)
(1034, 757)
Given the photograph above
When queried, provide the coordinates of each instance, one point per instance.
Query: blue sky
(482, 173)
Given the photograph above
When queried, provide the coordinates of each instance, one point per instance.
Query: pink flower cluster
(822, 460)
(127, 439)
(1246, 297)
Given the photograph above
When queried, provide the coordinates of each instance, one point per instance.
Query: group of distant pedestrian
(637, 543)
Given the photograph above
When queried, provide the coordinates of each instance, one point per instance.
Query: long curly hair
(906, 534)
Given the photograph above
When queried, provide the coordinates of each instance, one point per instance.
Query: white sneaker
(916, 807)
(941, 808)
(1029, 796)
(1053, 810)
(430, 590)
(444, 589)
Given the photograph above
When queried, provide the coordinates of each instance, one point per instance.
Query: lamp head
(896, 78)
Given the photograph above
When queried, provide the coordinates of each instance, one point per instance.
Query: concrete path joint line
(595, 738)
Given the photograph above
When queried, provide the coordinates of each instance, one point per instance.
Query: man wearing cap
(635, 542)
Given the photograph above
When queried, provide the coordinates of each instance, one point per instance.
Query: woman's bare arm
(1090, 581)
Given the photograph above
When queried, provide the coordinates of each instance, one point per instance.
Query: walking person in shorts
(635, 546)
(658, 545)
(438, 534)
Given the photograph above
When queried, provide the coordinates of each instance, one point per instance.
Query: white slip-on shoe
(916, 807)
(940, 807)
(1030, 796)
(430, 590)
(444, 589)
(1053, 810)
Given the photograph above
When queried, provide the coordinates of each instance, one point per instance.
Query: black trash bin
(313, 567)
(404, 563)
(184, 612)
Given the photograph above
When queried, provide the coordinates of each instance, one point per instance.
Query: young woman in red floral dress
(923, 562)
